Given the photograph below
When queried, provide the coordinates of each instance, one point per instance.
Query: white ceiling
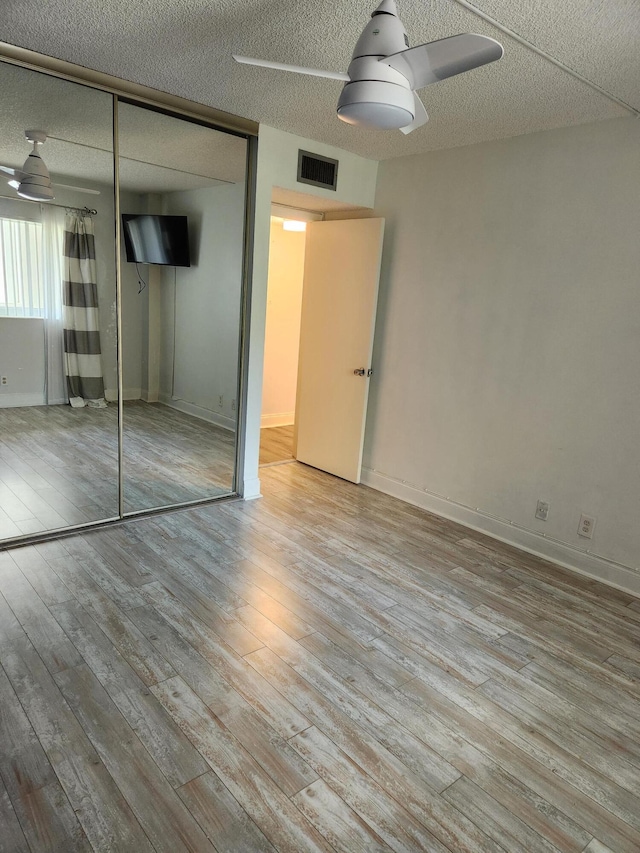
(184, 47)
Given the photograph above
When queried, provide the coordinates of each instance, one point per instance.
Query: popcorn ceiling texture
(185, 46)
(78, 121)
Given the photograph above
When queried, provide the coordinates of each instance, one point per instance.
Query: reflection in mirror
(58, 385)
(183, 201)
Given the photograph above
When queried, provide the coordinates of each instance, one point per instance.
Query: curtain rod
(88, 211)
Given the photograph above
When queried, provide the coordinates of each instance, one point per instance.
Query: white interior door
(341, 274)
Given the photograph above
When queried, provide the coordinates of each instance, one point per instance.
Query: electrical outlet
(233, 405)
(4, 380)
(542, 510)
(220, 401)
(585, 528)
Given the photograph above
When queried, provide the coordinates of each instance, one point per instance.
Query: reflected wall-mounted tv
(156, 239)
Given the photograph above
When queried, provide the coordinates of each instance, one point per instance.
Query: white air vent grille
(317, 170)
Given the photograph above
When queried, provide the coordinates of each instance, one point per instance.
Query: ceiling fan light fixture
(376, 104)
(385, 73)
(35, 192)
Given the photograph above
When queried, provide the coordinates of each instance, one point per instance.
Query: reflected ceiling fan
(384, 73)
(33, 181)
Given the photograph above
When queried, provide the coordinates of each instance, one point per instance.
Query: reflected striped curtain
(82, 354)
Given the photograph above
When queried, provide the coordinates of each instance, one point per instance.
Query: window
(21, 273)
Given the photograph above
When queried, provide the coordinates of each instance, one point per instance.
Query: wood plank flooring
(276, 445)
(58, 465)
(325, 669)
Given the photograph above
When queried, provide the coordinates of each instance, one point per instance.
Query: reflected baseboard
(12, 401)
(111, 394)
(198, 412)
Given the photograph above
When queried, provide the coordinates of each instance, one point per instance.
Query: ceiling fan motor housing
(384, 34)
(377, 95)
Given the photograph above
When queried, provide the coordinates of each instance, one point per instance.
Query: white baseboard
(198, 412)
(148, 396)
(12, 401)
(283, 419)
(251, 489)
(111, 394)
(561, 553)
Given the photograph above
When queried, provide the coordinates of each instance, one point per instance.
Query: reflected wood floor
(326, 669)
(58, 465)
(276, 444)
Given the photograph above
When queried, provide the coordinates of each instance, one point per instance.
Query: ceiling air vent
(317, 170)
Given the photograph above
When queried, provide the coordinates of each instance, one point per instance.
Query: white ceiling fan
(384, 73)
(33, 181)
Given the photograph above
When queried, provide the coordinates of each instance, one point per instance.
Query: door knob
(361, 371)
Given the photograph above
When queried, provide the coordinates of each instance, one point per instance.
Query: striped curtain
(82, 352)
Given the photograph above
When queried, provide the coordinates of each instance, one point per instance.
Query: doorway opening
(282, 334)
(292, 214)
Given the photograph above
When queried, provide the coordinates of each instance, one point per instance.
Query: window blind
(21, 273)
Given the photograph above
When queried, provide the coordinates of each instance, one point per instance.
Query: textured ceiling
(185, 46)
(158, 153)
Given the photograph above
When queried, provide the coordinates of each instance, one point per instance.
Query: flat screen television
(156, 239)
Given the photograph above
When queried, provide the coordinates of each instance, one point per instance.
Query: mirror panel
(182, 189)
(58, 462)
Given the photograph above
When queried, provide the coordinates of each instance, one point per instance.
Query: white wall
(508, 340)
(22, 361)
(277, 167)
(207, 303)
(282, 335)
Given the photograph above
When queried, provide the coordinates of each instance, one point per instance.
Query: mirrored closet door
(159, 324)
(182, 202)
(58, 344)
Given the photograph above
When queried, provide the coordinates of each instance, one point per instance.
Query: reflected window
(21, 277)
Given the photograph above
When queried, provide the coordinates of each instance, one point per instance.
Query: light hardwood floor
(276, 445)
(326, 669)
(58, 465)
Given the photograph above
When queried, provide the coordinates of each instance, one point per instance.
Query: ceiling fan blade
(8, 170)
(76, 189)
(430, 63)
(421, 116)
(296, 69)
